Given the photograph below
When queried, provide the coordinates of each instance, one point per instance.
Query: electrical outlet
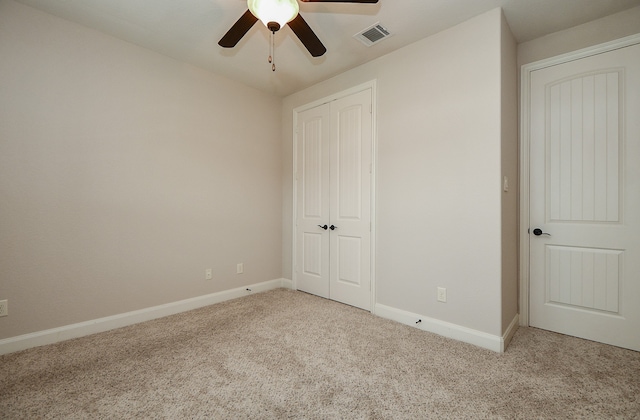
(208, 274)
(4, 307)
(442, 294)
(240, 268)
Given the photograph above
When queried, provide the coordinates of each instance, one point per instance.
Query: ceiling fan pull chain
(272, 52)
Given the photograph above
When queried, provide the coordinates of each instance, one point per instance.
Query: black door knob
(538, 232)
(323, 227)
(333, 227)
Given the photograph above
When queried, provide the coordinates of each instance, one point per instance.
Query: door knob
(538, 232)
(333, 227)
(323, 227)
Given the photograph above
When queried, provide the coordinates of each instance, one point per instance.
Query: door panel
(584, 277)
(584, 148)
(349, 162)
(313, 169)
(312, 247)
(349, 254)
(585, 195)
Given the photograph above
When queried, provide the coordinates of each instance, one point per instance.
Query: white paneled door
(585, 198)
(333, 192)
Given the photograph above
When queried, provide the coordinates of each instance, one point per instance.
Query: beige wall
(597, 32)
(509, 162)
(439, 187)
(124, 174)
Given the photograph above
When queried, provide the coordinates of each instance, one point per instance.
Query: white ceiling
(189, 30)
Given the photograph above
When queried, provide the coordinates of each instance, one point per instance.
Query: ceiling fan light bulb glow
(279, 11)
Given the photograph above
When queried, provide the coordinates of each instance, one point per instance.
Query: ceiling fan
(275, 14)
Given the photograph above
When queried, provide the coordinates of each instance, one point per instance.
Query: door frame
(370, 85)
(525, 144)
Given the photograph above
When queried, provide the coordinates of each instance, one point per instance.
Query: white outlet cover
(4, 307)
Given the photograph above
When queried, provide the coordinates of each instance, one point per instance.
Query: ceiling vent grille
(372, 35)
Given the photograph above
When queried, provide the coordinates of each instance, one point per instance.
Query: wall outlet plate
(442, 294)
(208, 274)
(4, 307)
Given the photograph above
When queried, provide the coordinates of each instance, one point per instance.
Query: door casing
(525, 143)
(371, 85)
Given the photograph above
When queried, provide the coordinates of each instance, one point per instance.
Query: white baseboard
(508, 335)
(55, 335)
(449, 330)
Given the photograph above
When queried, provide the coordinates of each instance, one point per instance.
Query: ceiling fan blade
(238, 30)
(306, 35)
(339, 1)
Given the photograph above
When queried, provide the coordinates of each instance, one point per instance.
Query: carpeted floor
(286, 354)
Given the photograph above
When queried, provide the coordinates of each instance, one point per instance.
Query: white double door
(585, 197)
(333, 200)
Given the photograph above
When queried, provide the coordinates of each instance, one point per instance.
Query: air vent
(372, 35)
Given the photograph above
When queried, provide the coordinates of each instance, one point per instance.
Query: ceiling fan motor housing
(273, 26)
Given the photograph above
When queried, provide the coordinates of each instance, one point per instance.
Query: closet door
(312, 207)
(333, 207)
(350, 191)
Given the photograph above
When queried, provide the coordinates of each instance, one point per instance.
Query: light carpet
(287, 354)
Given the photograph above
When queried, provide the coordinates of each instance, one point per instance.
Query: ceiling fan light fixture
(278, 11)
